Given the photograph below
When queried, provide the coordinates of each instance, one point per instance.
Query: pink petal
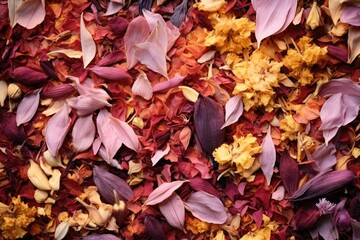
(83, 133)
(57, 129)
(353, 43)
(126, 133)
(163, 192)
(28, 107)
(272, 16)
(327, 229)
(233, 110)
(340, 85)
(174, 211)
(351, 15)
(324, 157)
(86, 104)
(88, 88)
(111, 73)
(30, 13)
(137, 32)
(142, 87)
(268, 156)
(166, 85)
(160, 154)
(88, 45)
(113, 8)
(206, 207)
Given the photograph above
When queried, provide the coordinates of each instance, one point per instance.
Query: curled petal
(88, 45)
(142, 87)
(111, 73)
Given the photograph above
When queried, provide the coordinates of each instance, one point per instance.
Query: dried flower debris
(161, 119)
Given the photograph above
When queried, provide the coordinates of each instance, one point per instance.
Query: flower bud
(13, 91)
(119, 210)
(38, 177)
(40, 195)
(342, 218)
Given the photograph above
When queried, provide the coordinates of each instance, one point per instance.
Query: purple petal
(356, 229)
(233, 110)
(57, 129)
(83, 133)
(100, 237)
(154, 228)
(163, 192)
(351, 15)
(268, 157)
(174, 211)
(87, 104)
(340, 85)
(326, 228)
(206, 207)
(324, 157)
(289, 173)
(28, 107)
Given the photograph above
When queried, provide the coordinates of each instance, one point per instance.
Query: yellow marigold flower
(290, 128)
(14, 221)
(195, 225)
(230, 34)
(241, 153)
(259, 74)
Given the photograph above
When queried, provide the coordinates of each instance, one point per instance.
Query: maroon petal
(289, 173)
(28, 76)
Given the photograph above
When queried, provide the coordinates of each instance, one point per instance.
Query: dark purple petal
(154, 228)
(289, 173)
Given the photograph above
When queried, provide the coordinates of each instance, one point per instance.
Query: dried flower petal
(174, 211)
(83, 133)
(38, 177)
(28, 107)
(154, 228)
(163, 192)
(289, 173)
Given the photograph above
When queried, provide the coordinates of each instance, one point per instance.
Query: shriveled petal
(57, 129)
(88, 45)
(30, 13)
(87, 104)
(206, 207)
(335, 7)
(351, 15)
(28, 107)
(83, 133)
(174, 211)
(142, 87)
(163, 192)
(233, 110)
(267, 157)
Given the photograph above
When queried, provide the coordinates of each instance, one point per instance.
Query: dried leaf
(189, 93)
(174, 211)
(272, 17)
(88, 45)
(28, 107)
(30, 13)
(163, 192)
(206, 207)
(233, 110)
(353, 43)
(83, 133)
(160, 154)
(142, 87)
(267, 158)
(57, 129)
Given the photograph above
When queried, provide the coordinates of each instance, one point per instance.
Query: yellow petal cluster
(196, 226)
(263, 233)
(240, 153)
(210, 5)
(15, 219)
(300, 61)
(258, 76)
(230, 34)
(289, 127)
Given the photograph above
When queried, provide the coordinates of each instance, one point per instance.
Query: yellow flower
(195, 225)
(263, 233)
(210, 5)
(290, 128)
(14, 221)
(230, 34)
(300, 61)
(259, 75)
(241, 153)
(219, 235)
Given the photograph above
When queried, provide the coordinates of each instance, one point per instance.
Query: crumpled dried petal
(111, 73)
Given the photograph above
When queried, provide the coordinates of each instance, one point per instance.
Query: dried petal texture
(83, 133)
(57, 129)
(163, 192)
(179, 14)
(168, 84)
(107, 182)
(88, 88)
(356, 229)
(206, 207)
(86, 104)
(267, 157)
(189, 93)
(272, 17)
(154, 228)
(12, 6)
(3, 92)
(28, 107)
(88, 45)
(71, 53)
(113, 8)
(289, 173)
(160, 154)
(353, 43)
(208, 119)
(30, 13)
(173, 210)
(340, 85)
(326, 229)
(58, 91)
(323, 183)
(233, 110)
(324, 157)
(61, 230)
(351, 15)
(339, 110)
(111, 73)
(142, 87)
(28, 76)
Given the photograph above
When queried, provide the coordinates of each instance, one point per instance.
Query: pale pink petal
(86, 104)
(163, 192)
(173, 34)
(173, 210)
(267, 157)
(324, 157)
(353, 43)
(233, 110)
(137, 32)
(206, 207)
(160, 154)
(351, 15)
(28, 107)
(83, 133)
(351, 104)
(57, 129)
(88, 88)
(356, 229)
(30, 13)
(158, 36)
(168, 84)
(142, 87)
(153, 18)
(111, 73)
(126, 134)
(88, 45)
(153, 56)
(272, 16)
(12, 6)
(278, 194)
(332, 112)
(340, 85)
(96, 145)
(113, 8)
